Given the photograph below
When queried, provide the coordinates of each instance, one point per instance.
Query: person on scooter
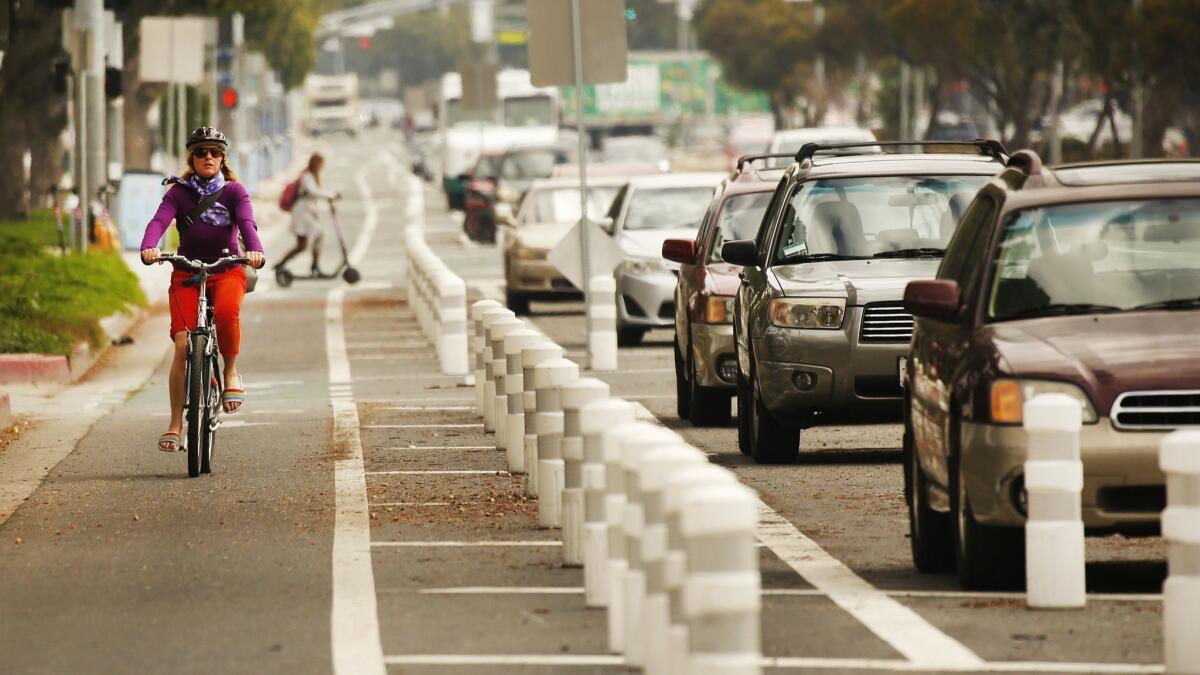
(211, 233)
(306, 215)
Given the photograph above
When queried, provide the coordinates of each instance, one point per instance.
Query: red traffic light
(229, 97)
(364, 42)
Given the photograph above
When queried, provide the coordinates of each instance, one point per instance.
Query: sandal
(233, 395)
(172, 440)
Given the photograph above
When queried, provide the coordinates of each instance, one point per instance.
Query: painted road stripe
(504, 590)
(439, 472)
(440, 447)
(768, 592)
(423, 426)
(389, 401)
(504, 660)
(429, 408)
(354, 618)
(463, 544)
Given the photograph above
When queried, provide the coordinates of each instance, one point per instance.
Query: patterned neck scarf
(217, 215)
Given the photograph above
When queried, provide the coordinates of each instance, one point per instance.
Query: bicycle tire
(212, 404)
(197, 400)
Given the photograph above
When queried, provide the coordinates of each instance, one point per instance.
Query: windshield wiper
(820, 257)
(1063, 308)
(912, 253)
(1178, 303)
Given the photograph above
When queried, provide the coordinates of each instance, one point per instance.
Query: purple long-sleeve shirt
(203, 241)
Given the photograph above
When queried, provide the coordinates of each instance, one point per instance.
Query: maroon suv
(1082, 280)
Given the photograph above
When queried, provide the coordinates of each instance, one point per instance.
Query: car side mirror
(464, 177)
(935, 299)
(682, 251)
(607, 224)
(741, 252)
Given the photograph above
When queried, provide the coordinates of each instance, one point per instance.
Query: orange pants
(225, 291)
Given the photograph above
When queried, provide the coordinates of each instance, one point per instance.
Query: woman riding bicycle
(211, 233)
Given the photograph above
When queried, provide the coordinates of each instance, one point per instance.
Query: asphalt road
(359, 516)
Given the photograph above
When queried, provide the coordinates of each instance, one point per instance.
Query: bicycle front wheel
(197, 401)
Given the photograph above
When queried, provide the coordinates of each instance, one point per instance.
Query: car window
(777, 197)
(871, 216)
(561, 205)
(529, 165)
(976, 221)
(618, 202)
(739, 218)
(1104, 256)
(635, 149)
(667, 208)
(487, 166)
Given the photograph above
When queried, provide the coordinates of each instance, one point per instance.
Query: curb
(58, 369)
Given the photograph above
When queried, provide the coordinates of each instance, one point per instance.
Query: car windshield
(884, 216)
(667, 208)
(561, 205)
(739, 219)
(639, 149)
(531, 164)
(456, 115)
(529, 111)
(1098, 257)
(487, 167)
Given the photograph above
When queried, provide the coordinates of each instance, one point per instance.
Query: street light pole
(581, 126)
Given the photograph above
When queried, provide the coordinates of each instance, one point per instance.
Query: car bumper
(647, 300)
(1123, 488)
(537, 276)
(809, 377)
(711, 345)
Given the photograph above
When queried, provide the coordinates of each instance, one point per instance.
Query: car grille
(666, 310)
(1157, 409)
(886, 322)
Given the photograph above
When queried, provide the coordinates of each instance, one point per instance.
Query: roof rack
(746, 159)
(985, 146)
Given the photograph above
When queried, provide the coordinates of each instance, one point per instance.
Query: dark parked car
(1081, 280)
(820, 330)
(705, 360)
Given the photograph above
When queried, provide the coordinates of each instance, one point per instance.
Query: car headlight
(822, 313)
(1008, 397)
(508, 195)
(640, 267)
(718, 309)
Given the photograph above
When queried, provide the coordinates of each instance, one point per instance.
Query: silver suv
(820, 328)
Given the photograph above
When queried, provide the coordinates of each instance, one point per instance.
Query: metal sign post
(581, 128)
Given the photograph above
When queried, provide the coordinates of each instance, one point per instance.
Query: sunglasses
(201, 153)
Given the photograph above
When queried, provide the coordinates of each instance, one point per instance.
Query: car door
(939, 346)
(691, 277)
(750, 311)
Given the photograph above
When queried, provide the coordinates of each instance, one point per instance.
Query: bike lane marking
(354, 617)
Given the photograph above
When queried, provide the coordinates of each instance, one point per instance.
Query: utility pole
(90, 129)
(1135, 143)
(116, 106)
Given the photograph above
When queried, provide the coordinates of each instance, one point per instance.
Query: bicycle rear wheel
(197, 400)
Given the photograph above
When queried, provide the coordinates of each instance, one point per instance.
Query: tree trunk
(139, 141)
(1095, 137)
(934, 94)
(46, 149)
(1158, 114)
(14, 193)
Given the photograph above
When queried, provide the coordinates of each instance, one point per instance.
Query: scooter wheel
(283, 277)
(351, 275)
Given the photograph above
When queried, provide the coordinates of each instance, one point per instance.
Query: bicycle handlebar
(197, 264)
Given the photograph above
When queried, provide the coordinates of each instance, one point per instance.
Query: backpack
(289, 196)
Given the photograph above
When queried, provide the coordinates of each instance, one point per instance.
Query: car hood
(648, 243)
(859, 281)
(541, 236)
(1105, 354)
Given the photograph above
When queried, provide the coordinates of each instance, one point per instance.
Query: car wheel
(930, 536)
(682, 391)
(770, 442)
(986, 557)
(743, 414)
(709, 405)
(518, 303)
(630, 336)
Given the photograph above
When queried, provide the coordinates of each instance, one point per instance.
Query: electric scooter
(349, 274)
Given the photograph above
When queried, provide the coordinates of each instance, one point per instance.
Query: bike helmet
(207, 136)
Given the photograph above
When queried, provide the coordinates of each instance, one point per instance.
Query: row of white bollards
(439, 301)
(666, 539)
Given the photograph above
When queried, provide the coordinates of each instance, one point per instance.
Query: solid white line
(902, 628)
(423, 426)
(504, 660)
(437, 472)
(971, 595)
(461, 544)
(894, 665)
(370, 219)
(354, 619)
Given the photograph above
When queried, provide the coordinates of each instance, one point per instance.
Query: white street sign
(604, 258)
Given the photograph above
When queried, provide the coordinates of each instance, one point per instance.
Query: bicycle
(202, 378)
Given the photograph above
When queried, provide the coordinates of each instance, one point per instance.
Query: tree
(761, 44)
(422, 46)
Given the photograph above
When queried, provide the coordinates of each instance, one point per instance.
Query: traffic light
(112, 83)
(229, 98)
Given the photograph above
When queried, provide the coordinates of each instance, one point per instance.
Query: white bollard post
(490, 316)
(614, 525)
(531, 357)
(548, 379)
(656, 467)
(634, 450)
(477, 341)
(681, 483)
(596, 419)
(1179, 457)
(574, 397)
(499, 330)
(602, 329)
(1054, 544)
(514, 382)
(452, 333)
(722, 593)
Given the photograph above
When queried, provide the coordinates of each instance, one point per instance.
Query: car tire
(709, 405)
(742, 397)
(770, 442)
(986, 557)
(682, 389)
(929, 531)
(517, 302)
(630, 336)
